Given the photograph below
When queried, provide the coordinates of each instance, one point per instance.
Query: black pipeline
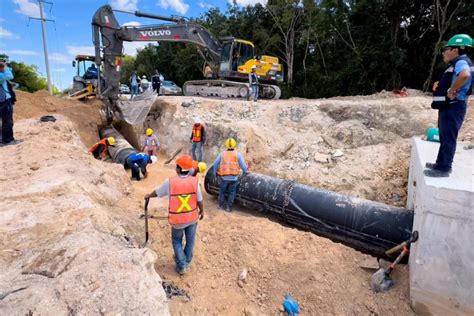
(367, 226)
(122, 148)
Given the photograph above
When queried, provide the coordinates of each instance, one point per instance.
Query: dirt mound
(84, 115)
(65, 240)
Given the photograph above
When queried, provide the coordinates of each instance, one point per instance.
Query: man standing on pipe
(229, 165)
(185, 198)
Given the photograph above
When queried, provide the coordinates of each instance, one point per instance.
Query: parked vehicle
(124, 89)
(170, 88)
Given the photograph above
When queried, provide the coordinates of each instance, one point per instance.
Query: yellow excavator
(228, 60)
(84, 83)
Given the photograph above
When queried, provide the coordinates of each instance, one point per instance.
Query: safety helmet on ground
(202, 167)
(185, 162)
(230, 143)
(111, 141)
(149, 132)
(460, 40)
(153, 159)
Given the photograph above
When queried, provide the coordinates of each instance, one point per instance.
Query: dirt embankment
(64, 227)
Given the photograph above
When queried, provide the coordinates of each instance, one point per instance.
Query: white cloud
(125, 5)
(21, 52)
(132, 23)
(245, 3)
(60, 58)
(28, 8)
(177, 5)
(80, 50)
(204, 5)
(5, 33)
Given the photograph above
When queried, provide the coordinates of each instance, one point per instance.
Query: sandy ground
(324, 277)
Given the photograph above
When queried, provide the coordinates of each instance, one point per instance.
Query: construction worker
(198, 137)
(198, 167)
(229, 165)
(253, 81)
(91, 72)
(138, 162)
(100, 149)
(156, 81)
(450, 98)
(185, 198)
(144, 84)
(151, 143)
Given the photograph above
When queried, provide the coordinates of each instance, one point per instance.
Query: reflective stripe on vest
(197, 133)
(440, 101)
(183, 200)
(229, 165)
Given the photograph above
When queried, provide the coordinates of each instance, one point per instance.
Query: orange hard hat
(185, 162)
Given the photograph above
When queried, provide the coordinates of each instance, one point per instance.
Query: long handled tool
(146, 223)
(380, 280)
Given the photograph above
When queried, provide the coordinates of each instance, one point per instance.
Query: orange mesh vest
(183, 200)
(229, 165)
(197, 133)
(103, 142)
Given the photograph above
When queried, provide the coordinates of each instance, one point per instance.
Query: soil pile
(65, 243)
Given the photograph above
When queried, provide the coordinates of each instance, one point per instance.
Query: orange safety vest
(103, 142)
(229, 165)
(183, 200)
(197, 132)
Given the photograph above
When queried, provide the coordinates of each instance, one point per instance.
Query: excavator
(228, 61)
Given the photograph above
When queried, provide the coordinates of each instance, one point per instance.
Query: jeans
(254, 92)
(197, 145)
(449, 123)
(136, 166)
(6, 111)
(227, 186)
(133, 91)
(156, 87)
(184, 256)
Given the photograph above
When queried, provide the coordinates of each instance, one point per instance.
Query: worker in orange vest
(229, 165)
(198, 137)
(101, 148)
(185, 198)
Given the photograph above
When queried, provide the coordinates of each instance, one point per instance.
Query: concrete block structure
(442, 260)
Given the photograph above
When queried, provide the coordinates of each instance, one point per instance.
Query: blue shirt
(460, 66)
(242, 165)
(4, 77)
(134, 80)
(138, 157)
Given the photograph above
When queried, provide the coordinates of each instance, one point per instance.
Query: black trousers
(6, 112)
(449, 123)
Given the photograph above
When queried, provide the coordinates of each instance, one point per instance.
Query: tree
(287, 15)
(27, 77)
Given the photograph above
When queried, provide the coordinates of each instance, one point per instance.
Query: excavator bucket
(135, 111)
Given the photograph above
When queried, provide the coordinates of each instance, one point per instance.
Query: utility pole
(43, 29)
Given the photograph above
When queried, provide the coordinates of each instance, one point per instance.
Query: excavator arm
(108, 38)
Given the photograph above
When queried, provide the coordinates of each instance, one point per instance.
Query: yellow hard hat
(149, 132)
(202, 167)
(111, 141)
(230, 143)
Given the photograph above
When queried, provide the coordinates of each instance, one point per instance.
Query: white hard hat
(254, 67)
(153, 159)
(144, 76)
(197, 120)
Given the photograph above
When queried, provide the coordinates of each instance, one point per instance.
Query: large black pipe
(367, 226)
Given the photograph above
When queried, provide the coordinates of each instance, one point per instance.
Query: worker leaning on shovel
(185, 198)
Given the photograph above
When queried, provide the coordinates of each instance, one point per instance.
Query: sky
(71, 33)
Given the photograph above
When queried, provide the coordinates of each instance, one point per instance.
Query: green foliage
(27, 77)
(340, 47)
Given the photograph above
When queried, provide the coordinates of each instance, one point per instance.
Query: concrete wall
(442, 261)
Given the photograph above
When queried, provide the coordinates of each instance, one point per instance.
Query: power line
(43, 30)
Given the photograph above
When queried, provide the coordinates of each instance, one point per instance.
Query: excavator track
(228, 89)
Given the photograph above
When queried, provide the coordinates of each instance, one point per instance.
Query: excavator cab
(84, 82)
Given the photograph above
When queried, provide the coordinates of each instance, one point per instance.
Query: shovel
(146, 223)
(380, 281)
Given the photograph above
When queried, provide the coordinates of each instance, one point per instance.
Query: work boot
(431, 165)
(182, 271)
(228, 209)
(222, 207)
(436, 173)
